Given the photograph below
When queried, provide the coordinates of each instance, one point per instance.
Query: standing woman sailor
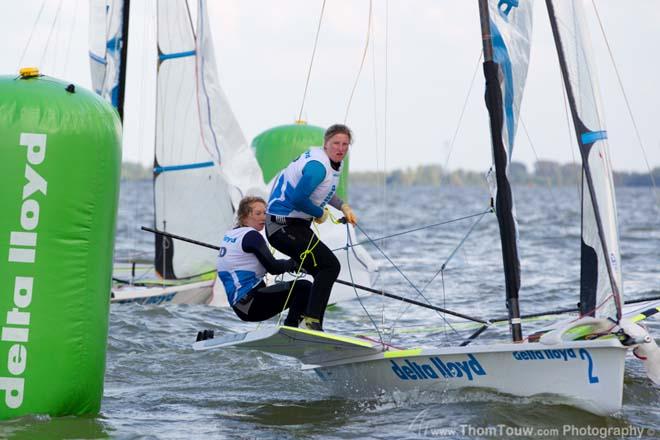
(299, 195)
(243, 261)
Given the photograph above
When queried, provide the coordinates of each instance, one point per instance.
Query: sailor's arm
(312, 175)
(254, 243)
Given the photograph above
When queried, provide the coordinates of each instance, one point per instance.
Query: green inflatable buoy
(277, 147)
(60, 161)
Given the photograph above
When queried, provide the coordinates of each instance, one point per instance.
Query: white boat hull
(586, 374)
(191, 293)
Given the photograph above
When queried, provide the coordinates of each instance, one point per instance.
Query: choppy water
(157, 387)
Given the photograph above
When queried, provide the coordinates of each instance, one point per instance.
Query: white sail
(601, 283)
(221, 133)
(197, 138)
(506, 32)
(105, 42)
(511, 32)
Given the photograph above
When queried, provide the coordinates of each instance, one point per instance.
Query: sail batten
(188, 166)
(600, 273)
(592, 136)
(169, 56)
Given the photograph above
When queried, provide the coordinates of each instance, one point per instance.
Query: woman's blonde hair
(337, 129)
(245, 208)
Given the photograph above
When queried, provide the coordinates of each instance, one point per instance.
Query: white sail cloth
(203, 163)
(221, 133)
(105, 42)
(600, 249)
(511, 32)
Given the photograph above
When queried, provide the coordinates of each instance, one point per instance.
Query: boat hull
(190, 293)
(585, 374)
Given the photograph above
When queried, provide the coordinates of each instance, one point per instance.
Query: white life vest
(280, 201)
(238, 270)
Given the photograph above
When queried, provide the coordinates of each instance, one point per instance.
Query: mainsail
(220, 131)
(600, 275)
(506, 30)
(107, 48)
(202, 162)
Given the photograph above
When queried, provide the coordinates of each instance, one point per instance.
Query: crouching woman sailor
(243, 261)
(299, 196)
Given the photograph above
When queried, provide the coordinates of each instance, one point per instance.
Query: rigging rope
(460, 244)
(531, 144)
(376, 126)
(50, 33)
(68, 46)
(400, 272)
(385, 223)
(34, 26)
(364, 57)
(625, 98)
(571, 138)
(357, 295)
(416, 229)
(442, 271)
(460, 118)
(303, 257)
(311, 62)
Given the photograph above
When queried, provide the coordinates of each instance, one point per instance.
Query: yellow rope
(303, 256)
(333, 219)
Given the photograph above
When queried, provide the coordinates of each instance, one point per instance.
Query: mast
(164, 246)
(504, 198)
(124, 56)
(586, 138)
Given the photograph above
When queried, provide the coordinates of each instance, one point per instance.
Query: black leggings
(293, 240)
(263, 302)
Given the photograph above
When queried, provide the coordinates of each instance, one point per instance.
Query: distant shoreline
(544, 173)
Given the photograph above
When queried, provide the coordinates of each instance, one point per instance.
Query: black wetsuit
(292, 237)
(263, 302)
(292, 240)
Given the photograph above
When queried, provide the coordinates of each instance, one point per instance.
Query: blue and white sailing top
(239, 270)
(243, 260)
(305, 186)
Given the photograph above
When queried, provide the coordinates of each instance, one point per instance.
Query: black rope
(474, 335)
(411, 301)
(359, 243)
(350, 273)
(570, 310)
(451, 255)
(407, 300)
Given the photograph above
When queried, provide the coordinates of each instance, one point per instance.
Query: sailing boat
(580, 361)
(202, 162)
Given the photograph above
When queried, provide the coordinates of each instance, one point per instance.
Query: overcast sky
(264, 49)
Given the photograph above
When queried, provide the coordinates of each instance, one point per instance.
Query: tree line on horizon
(544, 172)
